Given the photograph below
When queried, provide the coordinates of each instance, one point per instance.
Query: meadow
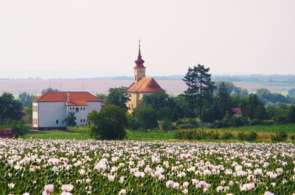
(264, 133)
(136, 167)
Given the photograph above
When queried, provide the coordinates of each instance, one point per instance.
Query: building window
(77, 109)
(56, 122)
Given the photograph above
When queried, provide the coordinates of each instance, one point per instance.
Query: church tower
(142, 85)
(139, 69)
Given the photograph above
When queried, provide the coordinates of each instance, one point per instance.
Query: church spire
(139, 51)
(139, 69)
(139, 61)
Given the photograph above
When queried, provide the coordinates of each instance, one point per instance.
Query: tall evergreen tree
(200, 88)
(223, 100)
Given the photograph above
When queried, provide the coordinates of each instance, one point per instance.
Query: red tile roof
(70, 98)
(145, 85)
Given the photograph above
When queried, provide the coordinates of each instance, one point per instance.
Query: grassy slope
(264, 132)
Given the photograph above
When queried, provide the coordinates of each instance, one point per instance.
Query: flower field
(130, 167)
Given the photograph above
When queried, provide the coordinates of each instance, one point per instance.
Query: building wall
(134, 100)
(35, 115)
(81, 112)
(46, 114)
(50, 115)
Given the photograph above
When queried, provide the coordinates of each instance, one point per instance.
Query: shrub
(146, 117)
(109, 123)
(249, 136)
(279, 137)
(213, 135)
(292, 137)
(197, 134)
(187, 123)
(19, 128)
(70, 120)
(227, 135)
(132, 123)
(165, 125)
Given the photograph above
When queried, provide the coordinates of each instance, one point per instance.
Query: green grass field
(84, 133)
(264, 132)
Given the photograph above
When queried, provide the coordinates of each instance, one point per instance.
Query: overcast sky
(91, 38)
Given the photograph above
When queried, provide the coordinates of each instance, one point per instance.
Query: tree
(291, 93)
(160, 103)
(200, 88)
(272, 98)
(180, 107)
(253, 108)
(44, 91)
(118, 97)
(101, 97)
(291, 114)
(146, 117)
(224, 103)
(10, 108)
(70, 120)
(26, 99)
(109, 123)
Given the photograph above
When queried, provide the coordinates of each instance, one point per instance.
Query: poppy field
(136, 167)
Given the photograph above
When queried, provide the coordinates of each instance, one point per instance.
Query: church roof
(145, 85)
(75, 98)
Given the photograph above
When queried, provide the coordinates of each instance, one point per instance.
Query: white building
(51, 109)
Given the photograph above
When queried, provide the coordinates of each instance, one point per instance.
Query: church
(142, 84)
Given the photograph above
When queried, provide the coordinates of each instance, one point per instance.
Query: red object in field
(6, 133)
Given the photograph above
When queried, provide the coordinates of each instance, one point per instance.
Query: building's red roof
(145, 85)
(70, 98)
(236, 111)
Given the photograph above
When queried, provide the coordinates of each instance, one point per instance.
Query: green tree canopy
(118, 97)
(109, 123)
(253, 108)
(70, 120)
(200, 88)
(10, 108)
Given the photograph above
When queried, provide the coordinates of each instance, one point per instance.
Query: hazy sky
(89, 38)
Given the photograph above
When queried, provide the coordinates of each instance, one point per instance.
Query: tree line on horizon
(203, 103)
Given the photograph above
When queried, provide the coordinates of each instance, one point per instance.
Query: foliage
(253, 108)
(28, 115)
(291, 114)
(109, 123)
(247, 136)
(10, 108)
(279, 136)
(187, 123)
(165, 125)
(272, 98)
(118, 97)
(224, 101)
(227, 135)
(197, 134)
(44, 91)
(26, 99)
(19, 128)
(160, 103)
(70, 120)
(101, 97)
(200, 88)
(146, 117)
